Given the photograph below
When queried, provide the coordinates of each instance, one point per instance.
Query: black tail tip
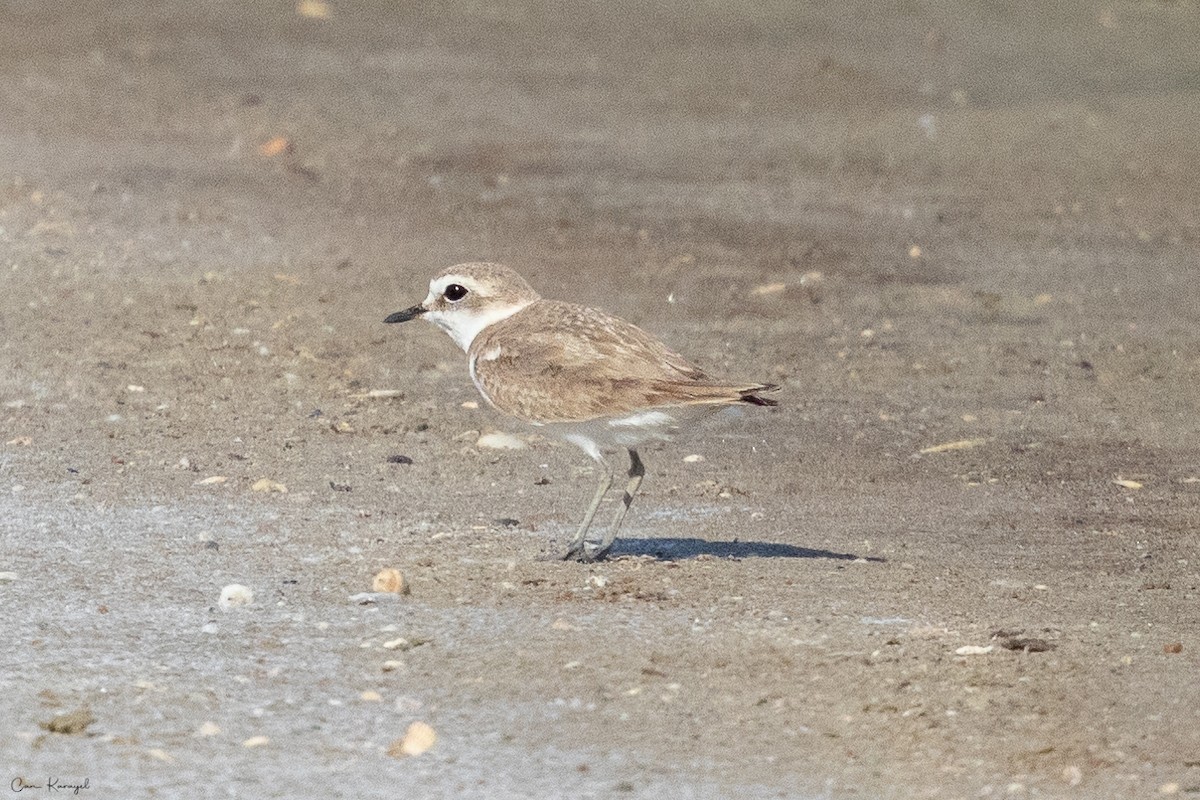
(751, 395)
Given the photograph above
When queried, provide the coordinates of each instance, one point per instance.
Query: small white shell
(235, 595)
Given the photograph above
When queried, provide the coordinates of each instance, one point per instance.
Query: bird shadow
(676, 549)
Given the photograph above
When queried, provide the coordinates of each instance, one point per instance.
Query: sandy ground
(931, 222)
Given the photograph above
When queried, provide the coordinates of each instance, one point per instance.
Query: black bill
(406, 315)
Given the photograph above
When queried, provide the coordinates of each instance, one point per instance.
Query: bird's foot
(576, 552)
(583, 554)
(600, 553)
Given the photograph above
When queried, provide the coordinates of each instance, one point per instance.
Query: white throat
(463, 325)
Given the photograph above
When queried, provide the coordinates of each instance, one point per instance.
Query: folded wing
(555, 362)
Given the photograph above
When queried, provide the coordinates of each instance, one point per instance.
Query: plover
(575, 373)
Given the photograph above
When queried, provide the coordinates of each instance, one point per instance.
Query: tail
(751, 395)
(689, 393)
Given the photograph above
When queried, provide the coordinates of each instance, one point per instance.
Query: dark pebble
(1027, 645)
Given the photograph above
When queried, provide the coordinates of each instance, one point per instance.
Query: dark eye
(455, 292)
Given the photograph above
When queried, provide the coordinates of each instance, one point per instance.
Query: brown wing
(556, 362)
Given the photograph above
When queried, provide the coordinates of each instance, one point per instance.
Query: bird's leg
(636, 471)
(577, 549)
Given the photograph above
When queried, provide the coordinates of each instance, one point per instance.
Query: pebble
(390, 581)
(235, 595)
(72, 722)
(6, 577)
(398, 459)
(268, 485)
(312, 9)
(399, 643)
(370, 696)
(256, 741)
(767, 289)
(974, 650)
(208, 729)
(1024, 644)
(371, 598)
(693, 458)
(495, 440)
(279, 144)
(416, 740)
(211, 480)
(946, 447)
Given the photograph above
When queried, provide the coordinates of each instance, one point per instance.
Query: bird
(573, 373)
